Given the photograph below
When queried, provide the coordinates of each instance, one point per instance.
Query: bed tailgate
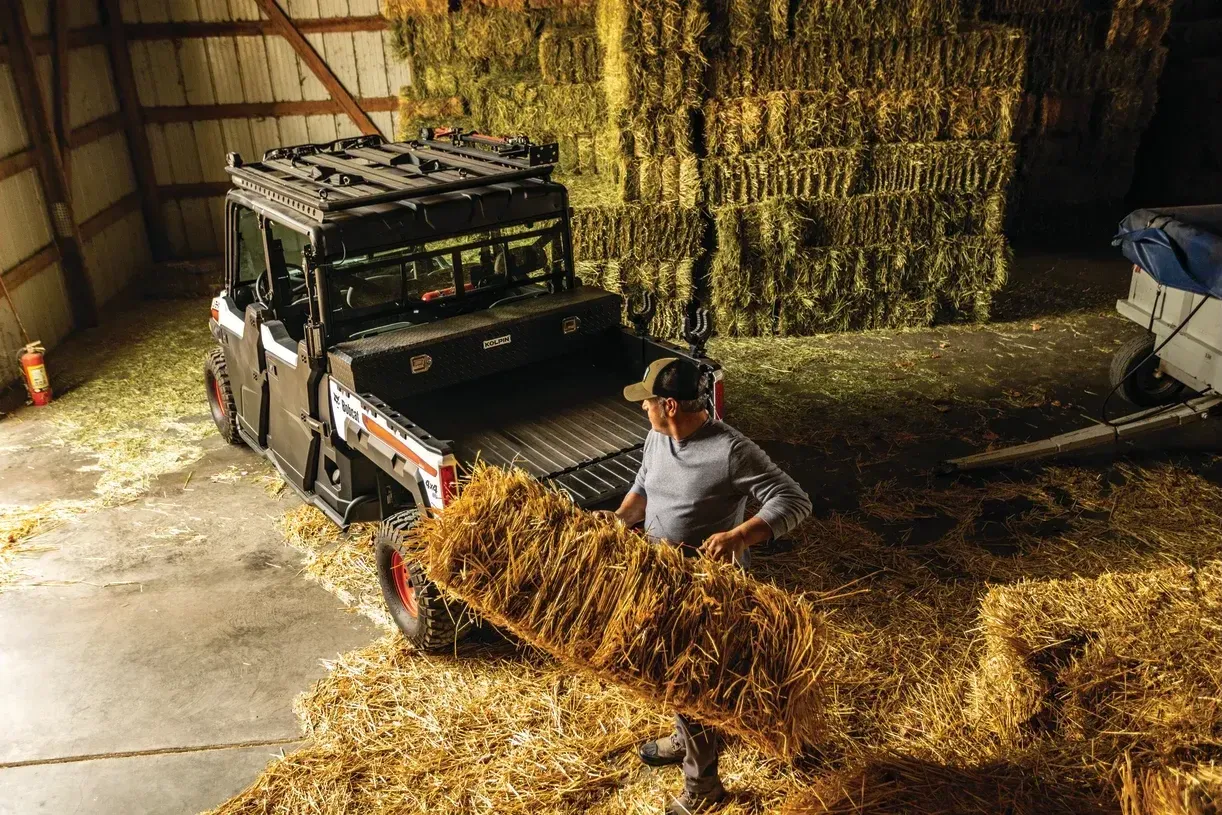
(575, 431)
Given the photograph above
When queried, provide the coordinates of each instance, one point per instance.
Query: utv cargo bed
(564, 421)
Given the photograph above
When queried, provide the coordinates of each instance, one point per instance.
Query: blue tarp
(1181, 247)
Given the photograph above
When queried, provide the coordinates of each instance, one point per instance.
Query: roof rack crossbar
(319, 189)
(381, 174)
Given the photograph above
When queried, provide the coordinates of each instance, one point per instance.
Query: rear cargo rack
(317, 179)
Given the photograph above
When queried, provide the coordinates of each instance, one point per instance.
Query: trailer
(1173, 369)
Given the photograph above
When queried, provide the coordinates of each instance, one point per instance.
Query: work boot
(662, 752)
(693, 802)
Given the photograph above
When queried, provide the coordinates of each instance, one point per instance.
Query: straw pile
(1092, 79)
(1180, 161)
(1122, 662)
(691, 635)
(1191, 790)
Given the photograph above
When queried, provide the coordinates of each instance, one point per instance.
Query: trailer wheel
(220, 396)
(427, 619)
(1135, 374)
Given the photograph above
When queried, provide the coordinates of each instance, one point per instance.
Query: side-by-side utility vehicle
(394, 311)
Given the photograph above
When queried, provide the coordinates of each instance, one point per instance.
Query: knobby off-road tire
(220, 396)
(1143, 388)
(427, 619)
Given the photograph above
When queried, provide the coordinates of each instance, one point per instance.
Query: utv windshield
(416, 283)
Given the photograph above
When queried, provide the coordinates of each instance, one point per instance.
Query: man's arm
(783, 504)
(632, 510)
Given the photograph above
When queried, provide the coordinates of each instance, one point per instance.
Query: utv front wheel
(417, 606)
(220, 396)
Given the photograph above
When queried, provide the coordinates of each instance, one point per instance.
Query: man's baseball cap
(669, 377)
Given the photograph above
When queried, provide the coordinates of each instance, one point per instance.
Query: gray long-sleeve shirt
(699, 486)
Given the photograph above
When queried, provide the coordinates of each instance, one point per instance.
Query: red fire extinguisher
(35, 372)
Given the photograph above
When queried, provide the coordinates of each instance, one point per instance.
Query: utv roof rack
(320, 179)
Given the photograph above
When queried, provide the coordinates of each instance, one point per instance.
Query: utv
(393, 311)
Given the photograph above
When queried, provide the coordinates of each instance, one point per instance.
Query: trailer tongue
(1175, 368)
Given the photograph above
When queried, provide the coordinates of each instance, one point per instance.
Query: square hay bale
(912, 218)
(477, 42)
(975, 57)
(661, 179)
(747, 179)
(653, 52)
(1126, 662)
(787, 121)
(660, 132)
(1079, 71)
(543, 111)
(607, 601)
(943, 167)
(568, 55)
(671, 282)
(742, 22)
(639, 232)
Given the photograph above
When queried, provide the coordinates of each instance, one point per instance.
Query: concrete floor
(150, 655)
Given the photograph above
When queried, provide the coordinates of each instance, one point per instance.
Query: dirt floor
(156, 627)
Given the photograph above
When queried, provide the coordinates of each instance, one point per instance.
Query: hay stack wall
(1092, 83)
(800, 166)
(858, 159)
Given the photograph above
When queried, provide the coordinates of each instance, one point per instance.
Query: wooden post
(133, 125)
(285, 27)
(62, 124)
(50, 166)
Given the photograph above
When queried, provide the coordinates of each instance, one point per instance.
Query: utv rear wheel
(220, 396)
(427, 619)
(1135, 372)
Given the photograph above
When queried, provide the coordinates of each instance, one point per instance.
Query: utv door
(292, 435)
(247, 293)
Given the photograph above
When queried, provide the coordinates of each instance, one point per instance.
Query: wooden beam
(111, 215)
(50, 166)
(89, 133)
(15, 163)
(77, 38)
(204, 189)
(31, 266)
(320, 69)
(262, 110)
(47, 255)
(137, 137)
(250, 28)
(59, 84)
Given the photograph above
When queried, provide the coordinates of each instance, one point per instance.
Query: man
(691, 491)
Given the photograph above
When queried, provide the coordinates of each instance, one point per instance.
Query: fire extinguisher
(35, 372)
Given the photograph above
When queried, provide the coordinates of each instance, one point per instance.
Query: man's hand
(726, 546)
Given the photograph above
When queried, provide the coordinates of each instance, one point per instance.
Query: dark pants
(701, 745)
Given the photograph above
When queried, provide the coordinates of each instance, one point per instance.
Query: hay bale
(568, 55)
(653, 52)
(661, 179)
(787, 121)
(1190, 790)
(809, 174)
(1125, 662)
(976, 57)
(943, 167)
(692, 635)
(741, 22)
(671, 282)
(637, 232)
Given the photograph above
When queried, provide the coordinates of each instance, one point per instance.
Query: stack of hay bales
(509, 66)
(653, 79)
(1181, 157)
(1092, 80)
(858, 157)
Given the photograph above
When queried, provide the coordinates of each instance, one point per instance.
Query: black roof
(366, 192)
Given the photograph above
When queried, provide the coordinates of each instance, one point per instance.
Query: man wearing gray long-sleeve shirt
(696, 475)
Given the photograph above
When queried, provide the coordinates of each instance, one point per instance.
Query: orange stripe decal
(389, 438)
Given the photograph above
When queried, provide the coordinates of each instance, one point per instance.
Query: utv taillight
(449, 483)
(216, 314)
(719, 398)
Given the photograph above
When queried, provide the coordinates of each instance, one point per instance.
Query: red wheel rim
(220, 401)
(403, 584)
